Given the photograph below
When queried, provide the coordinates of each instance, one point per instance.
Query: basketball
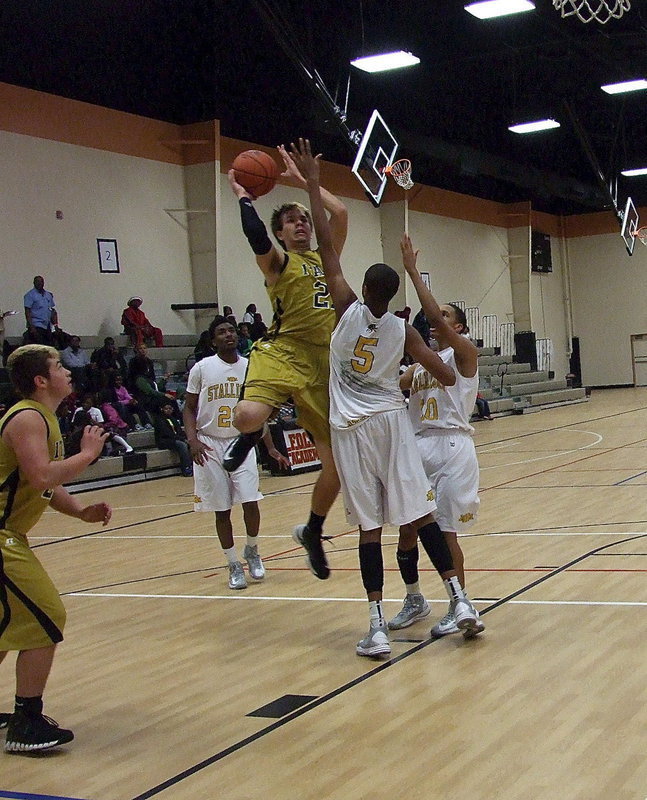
(256, 171)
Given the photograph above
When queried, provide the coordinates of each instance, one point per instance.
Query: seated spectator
(112, 419)
(258, 328)
(109, 362)
(227, 311)
(204, 347)
(421, 324)
(140, 364)
(169, 435)
(129, 409)
(144, 386)
(137, 326)
(89, 410)
(78, 363)
(248, 316)
(483, 407)
(244, 342)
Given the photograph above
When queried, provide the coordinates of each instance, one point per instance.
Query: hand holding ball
(256, 171)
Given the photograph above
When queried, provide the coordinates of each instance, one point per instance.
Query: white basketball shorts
(217, 490)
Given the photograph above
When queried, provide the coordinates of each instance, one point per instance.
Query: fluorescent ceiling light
(625, 86)
(486, 9)
(531, 127)
(631, 173)
(385, 61)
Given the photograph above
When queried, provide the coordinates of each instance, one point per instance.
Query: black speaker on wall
(525, 345)
(540, 255)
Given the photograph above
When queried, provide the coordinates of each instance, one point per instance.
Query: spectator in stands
(258, 328)
(404, 314)
(113, 420)
(421, 324)
(77, 361)
(244, 342)
(204, 347)
(137, 326)
(227, 311)
(109, 362)
(248, 316)
(483, 407)
(169, 435)
(129, 409)
(40, 314)
(3, 314)
(143, 384)
(88, 407)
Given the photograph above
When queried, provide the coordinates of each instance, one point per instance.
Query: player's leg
(376, 642)
(252, 519)
(325, 491)
(226, 537)
(415, 606)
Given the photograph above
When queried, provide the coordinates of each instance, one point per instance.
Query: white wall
(609, 304)
(101, 195)
(548, 311)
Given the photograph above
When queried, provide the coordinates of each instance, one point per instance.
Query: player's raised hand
(307, 164)
(237, 189)
(291, 171)
(409, 255)
(93, 440)
(98, 512)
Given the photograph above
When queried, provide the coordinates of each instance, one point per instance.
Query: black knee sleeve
(371, 566)
(408, 564)
(436, 547)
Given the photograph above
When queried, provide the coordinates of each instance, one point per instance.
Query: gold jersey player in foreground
(32, 471)
(292, 361)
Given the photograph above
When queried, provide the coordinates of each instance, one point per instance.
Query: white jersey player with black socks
(382, 476)
(440, 416)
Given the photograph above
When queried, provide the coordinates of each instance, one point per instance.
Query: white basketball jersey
(434, 406)
(365, 355)
(217, 385)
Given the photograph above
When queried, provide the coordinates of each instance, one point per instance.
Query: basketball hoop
(641, 235)
(400, 171)
(599, 10)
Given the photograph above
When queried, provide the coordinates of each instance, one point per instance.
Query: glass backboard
(377, 151)
(630, 223)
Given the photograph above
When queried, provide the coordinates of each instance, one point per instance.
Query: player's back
(301, 304)
(365, 355)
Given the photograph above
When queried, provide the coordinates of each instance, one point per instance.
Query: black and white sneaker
(315, 556)
(4, 719)
(34, 734)
(239, 449)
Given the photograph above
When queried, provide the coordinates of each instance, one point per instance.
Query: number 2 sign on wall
(108, 255)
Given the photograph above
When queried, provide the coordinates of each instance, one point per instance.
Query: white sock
(376, 614)
(413, 588)
(252, 541)
(121, 442)
(454, 590)
(231, 554)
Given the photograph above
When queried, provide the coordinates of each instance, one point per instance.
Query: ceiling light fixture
(385, 61)
(532, 127)
(631, 173)
(625, 86)
(487, 9)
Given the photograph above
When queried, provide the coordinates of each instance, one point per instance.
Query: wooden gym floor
(163, 666)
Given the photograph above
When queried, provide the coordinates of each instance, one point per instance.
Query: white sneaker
(237, 576)
(446, 625)
(375, 644)
(466, 617)
(479, 627)
(254, 562)
(415, 607)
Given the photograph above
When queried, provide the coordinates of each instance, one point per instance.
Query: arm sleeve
(253, 228)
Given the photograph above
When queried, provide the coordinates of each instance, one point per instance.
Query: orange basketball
(256, 171)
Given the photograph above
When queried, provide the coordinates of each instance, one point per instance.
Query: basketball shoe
(254, 562)
(239, 449)
(4, 719)
(415, 607)
(315, 556)
(32, 734)
(461, 616)
(375, 644)
(237, 576)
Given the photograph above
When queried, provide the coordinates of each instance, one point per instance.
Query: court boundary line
(236, 746)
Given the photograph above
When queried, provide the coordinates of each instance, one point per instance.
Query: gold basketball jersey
(21, 506)
(301, 302)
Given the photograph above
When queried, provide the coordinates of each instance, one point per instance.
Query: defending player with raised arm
(441, 420)
(32, 470)
(381, 473)
(292, 360)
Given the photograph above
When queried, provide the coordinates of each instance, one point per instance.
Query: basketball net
(400, 171)
(641, 235)
(587, 10)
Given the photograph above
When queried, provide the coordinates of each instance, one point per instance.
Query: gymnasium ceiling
(189, 60)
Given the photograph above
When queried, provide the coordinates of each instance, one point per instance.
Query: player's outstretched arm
(464, 350)
(338, 212)
(268, 257)
(26, 434)
(65, 503)
(431, 361)
(342, 295)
